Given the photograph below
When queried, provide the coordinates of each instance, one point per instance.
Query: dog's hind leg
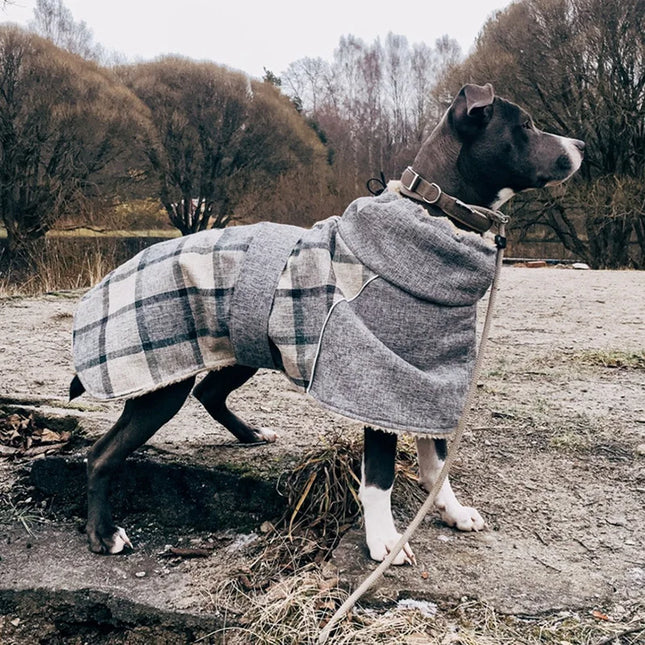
(212, 393)
(432, 454)
(375, 493)
(140, 419)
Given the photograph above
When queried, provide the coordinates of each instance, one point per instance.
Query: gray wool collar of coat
(425, 256)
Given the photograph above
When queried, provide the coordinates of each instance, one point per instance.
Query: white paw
(464, 518)
(264, 434)
(120, 540)
(381, 547)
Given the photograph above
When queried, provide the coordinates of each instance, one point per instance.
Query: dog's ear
(472, 108)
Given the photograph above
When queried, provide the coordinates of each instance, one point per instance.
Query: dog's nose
(579, 144)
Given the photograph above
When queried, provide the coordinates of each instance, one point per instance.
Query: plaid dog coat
(372, 313)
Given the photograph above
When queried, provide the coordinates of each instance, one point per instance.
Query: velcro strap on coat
(254, 291)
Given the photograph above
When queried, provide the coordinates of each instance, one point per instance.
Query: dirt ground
(554, 457)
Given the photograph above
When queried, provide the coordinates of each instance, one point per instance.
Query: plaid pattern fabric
(320, 271)
(164, 315)
(159, 317)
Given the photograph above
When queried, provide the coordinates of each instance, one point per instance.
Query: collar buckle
(416, 177)
(425, 188)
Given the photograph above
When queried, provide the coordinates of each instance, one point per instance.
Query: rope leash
(500, 241)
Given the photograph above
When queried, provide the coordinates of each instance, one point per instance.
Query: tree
(270, 77)
(63, 121)
(579, 66)
(373, 102)
(219, 137)
(54, 21)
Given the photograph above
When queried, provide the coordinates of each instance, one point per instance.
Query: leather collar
(474, 218)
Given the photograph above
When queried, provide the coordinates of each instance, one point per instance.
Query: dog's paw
(380, 548)
(256, 436)
(119, 541)
(464, 518)
(112, 544)
(266, 435)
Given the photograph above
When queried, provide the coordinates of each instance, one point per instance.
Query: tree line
(577, 65)
(374, 102)
(210, 143)
(79, 126)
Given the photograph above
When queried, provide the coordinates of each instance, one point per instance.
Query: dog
(391, 263)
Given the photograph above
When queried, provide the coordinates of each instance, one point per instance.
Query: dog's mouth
(565, 168)
(554, 182)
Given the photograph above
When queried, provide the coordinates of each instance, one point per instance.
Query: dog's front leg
(432, 454)
(375, 493)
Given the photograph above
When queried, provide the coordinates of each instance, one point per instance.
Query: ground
(553, 458)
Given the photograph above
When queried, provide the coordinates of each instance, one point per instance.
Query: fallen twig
(619, 635)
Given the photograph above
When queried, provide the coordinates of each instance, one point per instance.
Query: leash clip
(499, 217)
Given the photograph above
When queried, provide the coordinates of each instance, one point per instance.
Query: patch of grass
(322, 505)
(296, 608)
(614, 359)
(18, 506)
(63, 316)
(146, 213)
(570, 440)
(498, 371)
(322, 491)
(58, 272)
(574, 434)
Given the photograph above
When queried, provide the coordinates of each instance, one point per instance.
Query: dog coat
(372, 313)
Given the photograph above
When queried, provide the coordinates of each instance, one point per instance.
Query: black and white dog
(484, 150)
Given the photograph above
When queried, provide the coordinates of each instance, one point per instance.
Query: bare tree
(219, 137)
(54, 21)
(63, 121)
(308, 79)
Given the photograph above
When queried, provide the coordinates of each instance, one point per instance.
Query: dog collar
(475, 218)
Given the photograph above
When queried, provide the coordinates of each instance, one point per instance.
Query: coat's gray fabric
(373, 313)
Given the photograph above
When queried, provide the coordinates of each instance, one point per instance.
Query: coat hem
(434, 433)
(133, 394)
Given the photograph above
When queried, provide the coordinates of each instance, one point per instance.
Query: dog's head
(487, 149)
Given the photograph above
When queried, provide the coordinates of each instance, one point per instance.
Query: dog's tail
(75, 388)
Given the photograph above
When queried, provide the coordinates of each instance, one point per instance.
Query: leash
(500, 241)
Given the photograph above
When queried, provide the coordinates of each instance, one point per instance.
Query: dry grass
(615, 359)
(288, 592)
(322, 504)
(322, 492)
(70, 262)
(294, 610)
(60, 273)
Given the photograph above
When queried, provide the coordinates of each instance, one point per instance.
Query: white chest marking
(502, 197)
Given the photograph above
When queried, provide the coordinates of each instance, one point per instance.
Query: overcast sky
(253, 34)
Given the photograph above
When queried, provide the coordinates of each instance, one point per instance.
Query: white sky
(255, 34)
